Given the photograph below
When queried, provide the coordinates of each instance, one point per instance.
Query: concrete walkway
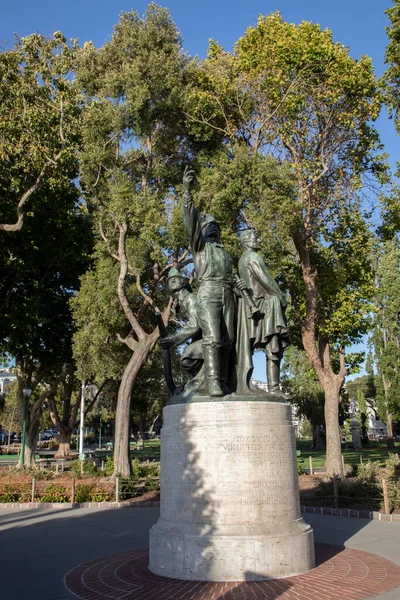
(38, 547)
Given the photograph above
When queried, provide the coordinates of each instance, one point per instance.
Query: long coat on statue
(262, 332)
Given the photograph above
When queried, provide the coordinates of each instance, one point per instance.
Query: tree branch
(141, 334)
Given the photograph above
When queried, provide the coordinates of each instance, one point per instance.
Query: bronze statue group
(229, 317)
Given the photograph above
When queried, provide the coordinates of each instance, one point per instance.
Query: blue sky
(359, 24)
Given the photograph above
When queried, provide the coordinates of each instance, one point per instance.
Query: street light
(27, 394)
(101, 421)
(81, 424)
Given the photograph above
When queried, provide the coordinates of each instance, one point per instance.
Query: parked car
(46, 435)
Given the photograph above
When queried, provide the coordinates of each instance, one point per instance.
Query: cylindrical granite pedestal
(230, 508)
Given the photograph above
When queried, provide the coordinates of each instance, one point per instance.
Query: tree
(294, 92)
(134, 148)
(40, 272)
(391, 78)
(299, 379)
(39, 120)
(386, 334)
(8, 410)
(362, 391)
(64, 407)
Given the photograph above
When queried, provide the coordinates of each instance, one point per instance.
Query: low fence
(337, 493)
(73, 490)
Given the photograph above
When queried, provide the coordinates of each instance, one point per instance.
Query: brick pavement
(341, 574)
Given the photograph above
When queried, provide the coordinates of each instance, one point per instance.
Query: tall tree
(39, 120)
(299, 379)
(134, 146)
(290, 90)
(39, 273)
(390, 82)
(386, 334)
(391, 78)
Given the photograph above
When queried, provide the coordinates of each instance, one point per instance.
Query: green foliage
(386, 334)
(42, 266)
(352, 494)
(89, 468)
(393, 489)
(14, 492)
(134, 146)
(39, 118)
(91, 493)
(149, 469)
(369, 471)
(291, 89)
(391, 79)
(128, 488)
(152, 485)
(82, 493)
(136, 469)
(55, 493)
(392, 466)
(97, 494)
(109, 466)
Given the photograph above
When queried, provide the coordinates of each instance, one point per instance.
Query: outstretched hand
(188, 178)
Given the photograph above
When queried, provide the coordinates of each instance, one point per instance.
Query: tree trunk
(122, 462)
(389, 425)
(316, 436)
(64, 449)
(32, 435)
(333, 464)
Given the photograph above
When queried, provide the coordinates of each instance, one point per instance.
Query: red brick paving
(341, 574)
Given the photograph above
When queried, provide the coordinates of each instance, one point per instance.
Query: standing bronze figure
(215, 298)
(267, 329)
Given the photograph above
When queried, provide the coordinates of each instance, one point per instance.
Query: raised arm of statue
(191, 221)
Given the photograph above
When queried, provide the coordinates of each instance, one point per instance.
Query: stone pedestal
(230, 507)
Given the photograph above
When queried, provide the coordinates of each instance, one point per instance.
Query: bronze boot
(211, 363)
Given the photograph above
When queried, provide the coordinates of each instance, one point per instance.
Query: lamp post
(27, 394)
(101, 421)
(81, 424)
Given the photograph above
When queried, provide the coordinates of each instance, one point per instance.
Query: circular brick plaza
(341, 574)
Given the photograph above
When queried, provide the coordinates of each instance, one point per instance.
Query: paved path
(38, 547)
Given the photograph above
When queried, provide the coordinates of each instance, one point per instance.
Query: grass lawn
(375, 452)
(149, 450)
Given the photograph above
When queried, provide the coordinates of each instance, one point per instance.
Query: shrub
(152, 485)
(97, 494)
(109, 466)
(82, 493)
(393, 488)
(352, 494)
(55, 493)
(15, 493)
(89, 468)
(127, 488)
(149, 469)
(136, 469)
(299, 469)
(392, 466)
(369, 471)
